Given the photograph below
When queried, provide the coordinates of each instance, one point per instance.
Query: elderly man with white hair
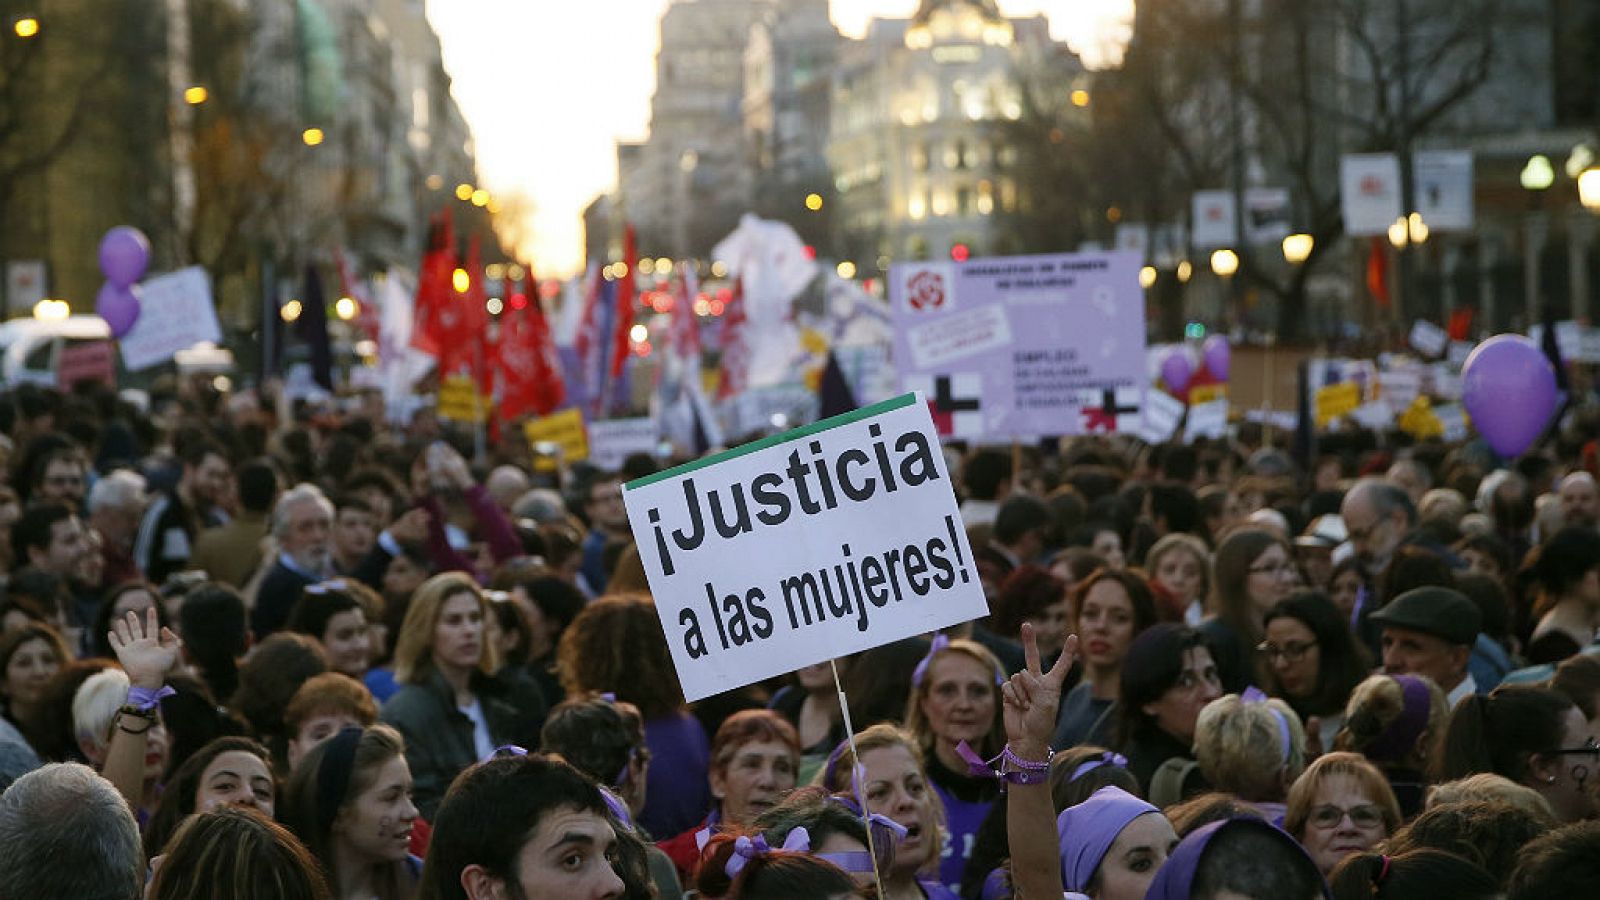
(302, 525)
(116, 506)
(1580, 500)
(68, 835)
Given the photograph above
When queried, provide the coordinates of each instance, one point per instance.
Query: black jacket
(438, 735)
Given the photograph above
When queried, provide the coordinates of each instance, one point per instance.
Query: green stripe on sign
(900, 402)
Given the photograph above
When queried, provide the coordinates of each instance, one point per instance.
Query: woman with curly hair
(616, 646)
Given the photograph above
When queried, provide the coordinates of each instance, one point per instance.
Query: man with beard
(173, 522)
(1377, 516)
(302, 524)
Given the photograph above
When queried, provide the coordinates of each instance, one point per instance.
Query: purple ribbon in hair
(1401, 736)
(505, 750)
(1253, 694)
(1108, 758)
(748, 848)
(940, 642)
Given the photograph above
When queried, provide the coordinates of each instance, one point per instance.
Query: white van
(30, 348)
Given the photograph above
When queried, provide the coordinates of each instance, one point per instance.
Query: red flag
(735, 355)
(530, 372)
(683, 331)
(1461, 323)
(473, 345)
(433, 287)
(622, 323)
(1378, 272)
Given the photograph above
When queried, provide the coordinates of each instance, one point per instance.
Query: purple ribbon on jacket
(1108, 758)
(1253, 694)
(748, 848)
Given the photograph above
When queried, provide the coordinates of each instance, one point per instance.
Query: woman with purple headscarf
(1112, 845)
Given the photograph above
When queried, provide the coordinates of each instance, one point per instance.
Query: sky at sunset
(547, 87)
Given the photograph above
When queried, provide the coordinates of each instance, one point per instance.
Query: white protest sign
(805, 546)
(613, 440)
(1376, 415)
(175, 313)
(1162, 413)
(1428, 338)
(1398, 387)
(1207, 420)
(1453, 417)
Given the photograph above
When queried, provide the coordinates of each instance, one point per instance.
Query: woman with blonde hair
(1252, 747)
(232, 853)
(1396, 721)
(451, 709)
(1181, 564)
(1341, 805)
(955, 702)
(891, 782)
(350, 804)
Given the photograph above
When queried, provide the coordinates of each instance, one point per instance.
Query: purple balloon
(119, 306)
(1218, 354)
(1509, 388)
(124, 254)
(1176, 370)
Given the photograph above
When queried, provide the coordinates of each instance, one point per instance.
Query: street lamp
(1147, 277)
(51, 310)
(1589, 189)
(312, 136)
(26, 27)
(464, 192)
(1416, 229)
(1185, 271)
(846, 269)
(1538, 174)
(814, 202)
(196, 95)
(345, 308)
(1225, 263)
(1297, 248)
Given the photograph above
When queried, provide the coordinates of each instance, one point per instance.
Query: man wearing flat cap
(1430, 631)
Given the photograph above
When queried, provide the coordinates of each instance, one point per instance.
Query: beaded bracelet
(1007, 766)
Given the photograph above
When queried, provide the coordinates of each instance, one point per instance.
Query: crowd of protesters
(255, 648)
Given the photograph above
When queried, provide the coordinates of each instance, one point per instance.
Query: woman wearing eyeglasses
(1253, 570)
(1340, 806)
(1531, 735)
(1313, 662)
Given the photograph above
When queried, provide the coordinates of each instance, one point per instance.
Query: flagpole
(480, 452)
(855, 788)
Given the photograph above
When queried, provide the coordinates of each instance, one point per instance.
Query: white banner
(1369, 188)
(175, 313)
(806, 546)
(1443, 188)
(1267, 217)
(613, 440)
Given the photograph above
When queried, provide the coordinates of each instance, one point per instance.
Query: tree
(1312, 79)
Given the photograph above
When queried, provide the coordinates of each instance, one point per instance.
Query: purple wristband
(144, 698)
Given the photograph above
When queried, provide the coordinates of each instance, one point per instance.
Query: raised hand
(146, 651)
(411, 528)
(1033, 698)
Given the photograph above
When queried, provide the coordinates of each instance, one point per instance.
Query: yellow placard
(1420, 421)
(1337, 400)
(1207, 393)
(564, 429)
(459, 401)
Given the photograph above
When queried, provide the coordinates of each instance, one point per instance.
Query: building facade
(918, 161)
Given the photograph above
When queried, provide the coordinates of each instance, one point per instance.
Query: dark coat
(438, 735)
